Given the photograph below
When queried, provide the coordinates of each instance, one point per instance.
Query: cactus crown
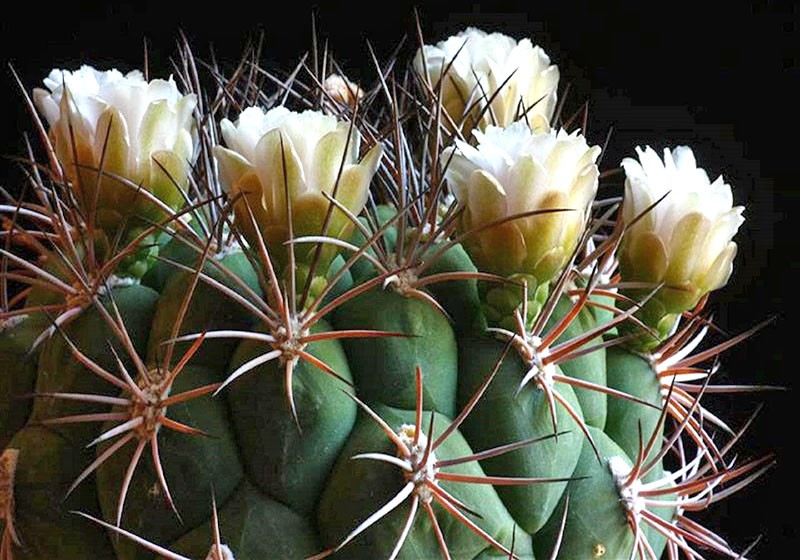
(383, 321)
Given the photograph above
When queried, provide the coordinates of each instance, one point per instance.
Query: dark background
(661, 73)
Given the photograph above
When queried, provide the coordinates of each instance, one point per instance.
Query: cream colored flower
(514, 170)
(516, 76)
(280, 152)
(137, 129)
(685, 241)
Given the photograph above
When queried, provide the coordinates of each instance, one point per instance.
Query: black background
(724, 82)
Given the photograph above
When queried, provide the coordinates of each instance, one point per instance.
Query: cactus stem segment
(694, 486)
(78, 264)
(288, 331)
(541, 354)
(142, 412)
(422, 472)
(218, 551)
(404, 268)
(133, 537)
(288, 326)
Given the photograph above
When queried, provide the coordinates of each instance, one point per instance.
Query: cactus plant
(358, 322)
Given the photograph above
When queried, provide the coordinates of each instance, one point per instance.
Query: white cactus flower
(685, 241)
(280, 152)
(514, 170)
(517, 77)
(140, 130)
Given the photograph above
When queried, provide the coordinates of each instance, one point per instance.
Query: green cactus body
(208, 310)
(516, 415)
(48, 463)
(383, 368)
(458, 297)
(18, 368)
(589, 367)
(289, 460)
(603, 313)
(362, 270)
(194, 467)
(175, 248)
(632, 374)
(60, 372)
(406, 409)
(256, 527)
(596, 526)
(344, 283)
(357, 488)
(655, 538)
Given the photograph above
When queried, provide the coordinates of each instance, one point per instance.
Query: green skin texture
(176, 247)
(208, 310)
(368, 484)
(193, 466)
(515, 417)
(284, 492)
(459, 298)
(383, 368)
(256, 527)
(633, 375)
(362, 270)
(344, 283)
(604, 315)
(595, 515)
(18, 367)
(288, 462)
(59, 371)
(589, 367)
(48, 463)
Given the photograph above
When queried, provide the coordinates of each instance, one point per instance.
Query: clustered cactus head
(115, 135)
(365, 322)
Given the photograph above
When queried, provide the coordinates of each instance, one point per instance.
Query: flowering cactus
(350, 326)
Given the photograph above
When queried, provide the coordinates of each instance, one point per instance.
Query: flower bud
(683, 243)
(303, 155)
(142, 131)
(511, 171)
(342, 90)
(475, 67)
